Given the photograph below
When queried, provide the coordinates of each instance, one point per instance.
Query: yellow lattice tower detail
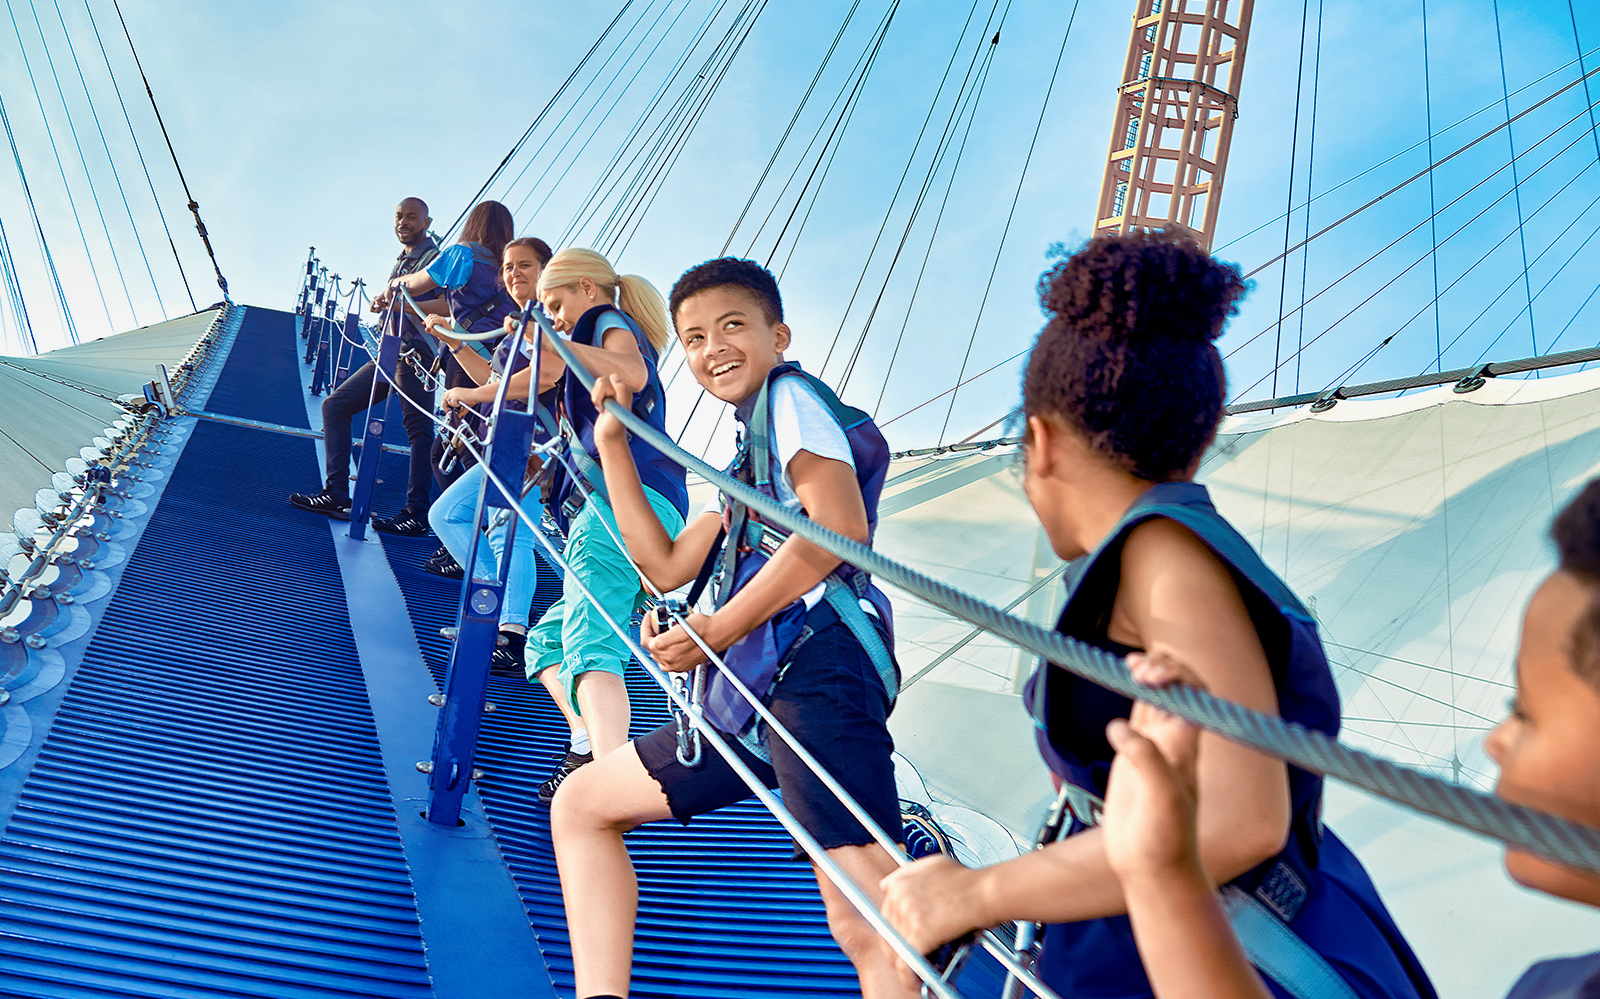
(1178, 101)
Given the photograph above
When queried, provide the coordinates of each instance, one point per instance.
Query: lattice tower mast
(1178, 101)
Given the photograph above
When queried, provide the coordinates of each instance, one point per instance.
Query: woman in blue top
(617, 325)
(1122, 395)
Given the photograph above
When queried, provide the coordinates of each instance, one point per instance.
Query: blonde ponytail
(631, 293)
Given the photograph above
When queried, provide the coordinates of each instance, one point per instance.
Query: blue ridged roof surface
(212, 811)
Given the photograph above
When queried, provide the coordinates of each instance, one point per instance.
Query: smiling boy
(792, 622)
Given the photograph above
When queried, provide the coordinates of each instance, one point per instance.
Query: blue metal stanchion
(300, 312)
(349, 337)
(455, 742)
(314, 312)
(372, 440)
(324, 359)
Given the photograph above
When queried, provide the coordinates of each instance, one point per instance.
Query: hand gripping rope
(1550, 836)
(681, 703)
(1556, 838)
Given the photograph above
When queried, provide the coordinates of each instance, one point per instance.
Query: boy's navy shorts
(832, 700)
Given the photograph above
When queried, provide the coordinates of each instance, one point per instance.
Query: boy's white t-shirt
(801, 421)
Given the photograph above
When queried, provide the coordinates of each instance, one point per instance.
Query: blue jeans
(452, 519)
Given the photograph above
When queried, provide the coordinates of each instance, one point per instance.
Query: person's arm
(618, 354)
(666, 561)
(1186, 944)
(1175, 598)
(472, 362)
(517, 388)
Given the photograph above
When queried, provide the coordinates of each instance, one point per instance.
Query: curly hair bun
(1142, 286)
(1127, 356)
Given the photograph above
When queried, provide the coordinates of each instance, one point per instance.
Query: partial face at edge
(728, 342)
(1548, 750)
(519, 272)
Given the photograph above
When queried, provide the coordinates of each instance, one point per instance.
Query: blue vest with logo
(656, 470)
(1315, 887)
(757, 657)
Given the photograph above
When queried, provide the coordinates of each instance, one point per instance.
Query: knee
(858, 938)
(577, 810)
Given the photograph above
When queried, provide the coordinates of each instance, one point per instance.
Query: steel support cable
(794, 119)
(1311, 163)
(139, 149)
(1345, 377)
(1551, 280)
(194, 206)
(1433, 208)
(19, 305)
(849, 93)
(916, 961)
(773, 159)
(1398, 239)
(672, 134)
(607, 181)
(72, 130)
(1558, 839)
(969, 381)
(1594, 130)
(38, 228)
(1421, 173)
(906, 319)
(814, 181)
(1391, 158)
(111, 161)
(537, 118)
(1389, 283)
(62, 169)
(1004, 232)
(599, 120)
(677, 151)
(965, 106)
(1516, 185)
(1576, 313)
(550, 162)
(1288, 210)
(978, 52)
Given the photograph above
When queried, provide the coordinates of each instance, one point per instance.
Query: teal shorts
(572, 632)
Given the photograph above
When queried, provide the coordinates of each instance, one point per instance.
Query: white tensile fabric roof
(57, 402)
(1415, 528)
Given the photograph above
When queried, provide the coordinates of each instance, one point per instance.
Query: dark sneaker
(573, 761)
(406, 523)
(323, 502)
(442, 563)
(507, 658)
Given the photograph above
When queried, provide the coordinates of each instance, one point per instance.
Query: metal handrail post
(349, 336)
(455, 744)
(324, 361)
(314, 312)
(388, 363)
(305, 294)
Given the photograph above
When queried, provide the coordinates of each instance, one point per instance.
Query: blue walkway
(213, 812)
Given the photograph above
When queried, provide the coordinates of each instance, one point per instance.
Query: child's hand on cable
(607, 428)
(1149, 820)
(674, 650)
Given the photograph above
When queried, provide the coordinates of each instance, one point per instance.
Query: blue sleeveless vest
(1315, 887)
(481, 304)
(656, 470)
(757, 657)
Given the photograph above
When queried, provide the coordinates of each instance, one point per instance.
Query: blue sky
(301, 124)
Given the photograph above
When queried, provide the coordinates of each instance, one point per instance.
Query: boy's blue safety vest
(577, 416)
(481, 304)
(760, 656)
(1309, 918)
